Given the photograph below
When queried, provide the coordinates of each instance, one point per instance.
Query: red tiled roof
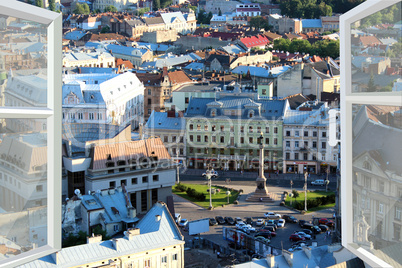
(369, 40)
(254, 41)
(178, 77)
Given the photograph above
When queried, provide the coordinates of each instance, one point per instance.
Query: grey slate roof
(159, 120)
(125, 50)
(270, 109)
(153, 235)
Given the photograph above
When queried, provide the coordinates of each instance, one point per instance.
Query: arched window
(366, 165)
(213, 112)
(250, 114)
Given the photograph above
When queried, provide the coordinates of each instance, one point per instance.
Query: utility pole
(178, 166)
(305, 191)
(210, 191)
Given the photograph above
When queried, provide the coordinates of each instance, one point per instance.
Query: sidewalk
(254, 175)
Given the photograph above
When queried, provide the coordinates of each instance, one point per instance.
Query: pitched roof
(253, 41)
(272, 36)
(178, 77)
(128, 150)
(159, 120)
(153, 235)
(155, 20)
(369, 40)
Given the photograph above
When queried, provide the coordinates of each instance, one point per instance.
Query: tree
(156, 4)
(371, 87)
(326, 47)
(52, 5)
(110, 9)
(105, 29)
(142, 11)
(81, 9)
(295, 194)
(282, 44)
(260, 23)
(301, 46)
(39, 3)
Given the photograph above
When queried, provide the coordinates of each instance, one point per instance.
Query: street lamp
(228, 194)
(178, 166)
(210, 191)
(305, 191)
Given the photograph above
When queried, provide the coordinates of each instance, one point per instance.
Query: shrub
(295, 194)
(180, 187)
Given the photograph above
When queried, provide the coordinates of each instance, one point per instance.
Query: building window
(305, 156)
(144, 179)
(214, 139)
(323, 145)
(155, 178)
(198, 138)
(242, 140)
(123, 182)
(222, 128)
(287, 133)
(231, 128)
(287, 144)
(305, 133)
(314, 133)
(213, 128)
(205, 127)
(266, 140)
(186, 100)
(287, 156)
(134, 181)
(112, 184)
(296, 144)
(324, 134)
(164, 259)
(173, 138)
(381, 186)
(198, 127)
(250, 129)
(323, 157)
(144, 203)
(116, 227)
(174, 257)
(398, 213)
(258, 129)
(242, 129)
(205, 138)
(314, 144)
(297, 133)
(222, 151)
(296, 156)
(276, 130)
(275, 141)
(191, 126)
(191, 138)
(380, 208)
(165, 138)
(222, 139)
(39, 188)
(366, 165)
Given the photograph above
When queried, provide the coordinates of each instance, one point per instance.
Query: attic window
(92, 97)
(109, 157)
(160, 123)
(121, 163)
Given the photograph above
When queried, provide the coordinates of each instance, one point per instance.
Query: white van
(318, 182)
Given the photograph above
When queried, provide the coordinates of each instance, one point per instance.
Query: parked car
(212, 222)
(220, 220)
(290, 219)
(307, 225)
(316, 229)
(264, 234)
(307, 231)
(249, 220)
(238, 219)
(267, 230)
(281, 223)
(303, 234)
(262, 239)
(302, 222)
(260, 222)
(248, 229)
(326, 222)
(230, 220)
(318, 182)
(271, 222)
(296, 237)
(214, 174)
(323, 227)
(240, 225)
(272, 215)
(183, 222)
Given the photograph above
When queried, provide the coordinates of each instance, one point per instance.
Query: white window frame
(53, 114)
(347, 100)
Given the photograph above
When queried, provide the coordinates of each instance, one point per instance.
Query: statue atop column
(261, 180)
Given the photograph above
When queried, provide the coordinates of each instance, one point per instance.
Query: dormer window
(250, 114)
(366, 165)
(213, 112)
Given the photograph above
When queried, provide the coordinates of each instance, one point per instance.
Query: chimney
(115, 243)
(131, 232)
(94, 238)
(288, 257)
(104, 192)
(132, 212)
(307, 251)
(270, 260)
(165, 71)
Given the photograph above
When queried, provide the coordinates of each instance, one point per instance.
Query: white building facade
(89, 58)
(103, 98)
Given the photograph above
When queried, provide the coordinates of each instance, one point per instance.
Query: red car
(296, 237)
(263, 230)
(326, 222)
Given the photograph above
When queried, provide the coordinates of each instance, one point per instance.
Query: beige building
(159, 36)
(156, 241)
(89, 58)
(252, 59)
(119, 4)
(289, 25)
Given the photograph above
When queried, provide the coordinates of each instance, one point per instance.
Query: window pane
(376, 49)
(377, 169)
(23, 64)
(23, 184)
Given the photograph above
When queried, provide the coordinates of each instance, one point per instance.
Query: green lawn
(218, 199)
(310, 195)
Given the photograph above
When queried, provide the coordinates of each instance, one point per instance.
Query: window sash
(347, 100)
(53, 114)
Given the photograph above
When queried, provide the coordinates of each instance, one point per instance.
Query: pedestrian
(241, 172)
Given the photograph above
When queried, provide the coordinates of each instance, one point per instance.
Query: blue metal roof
(311, 23)
(159, 120)
(74, 35)
(270, 109)
(125, 50)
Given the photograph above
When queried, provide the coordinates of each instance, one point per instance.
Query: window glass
(23, 162)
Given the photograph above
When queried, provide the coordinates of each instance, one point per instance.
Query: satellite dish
(77, 191)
